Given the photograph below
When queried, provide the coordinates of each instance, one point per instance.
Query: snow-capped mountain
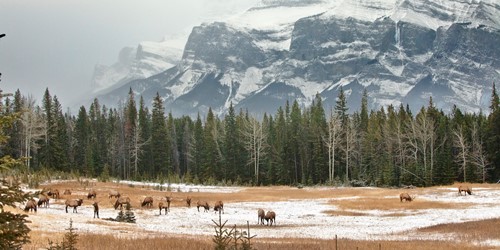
(400, 51)
(147, 59)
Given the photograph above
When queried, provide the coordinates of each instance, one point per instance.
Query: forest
(312, 145)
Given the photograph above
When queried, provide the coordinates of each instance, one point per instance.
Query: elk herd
(164, 204)
(147, 202)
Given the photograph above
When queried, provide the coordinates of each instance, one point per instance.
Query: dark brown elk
(270, 217)
(188, 201)
(74, 204)
(219, 206)
(163, 205)
(114, 194)
(30, 205)
(148, 201)
(203, 204)
(406, 197)
(464, 189)
(53, 193)
(169, 199)
(92, 194)
(261, 215)
(122, 201)
(43, 200)
(96, 209)
(67, 192)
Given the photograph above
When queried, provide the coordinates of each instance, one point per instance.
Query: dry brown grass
(94, 241)
(473, 230)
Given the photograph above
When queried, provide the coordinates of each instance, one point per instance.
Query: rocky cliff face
(399, 51)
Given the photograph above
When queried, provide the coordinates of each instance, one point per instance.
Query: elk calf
(261, 215)
(96, 209)
(188, 201)
(203, 204)
(219, 205)
(121, 201)
(270, 216)
(162, 205)
(92, 194)
(405, 197)
(74, 204)
(464, 189)
(30, 206)
(43, 200)
(114, 194)
(53, 193)
(148, 201)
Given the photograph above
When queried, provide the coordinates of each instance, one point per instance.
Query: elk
(92, 194)
(261, 215)
(203, 204)
(169, 199)
(162, 205)
(43, 199)
(30, 205)
(96, 209)
(219, 205)
(464, 189)
(188, 201)
(114, 194)
(74, 204)
(148, 201)
(270, 216)
(53, 193)
(67, 192)
(406, 197)
(120, 201)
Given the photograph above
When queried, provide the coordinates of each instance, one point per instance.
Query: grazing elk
(406, 197)
(148, 201)
(74, 204)
(114, 194)
(270, 216)
(43, 200)
(67, 192)
(261, 215)
(464, 189)
(30, 205)
(163, 205)
(53, 193)
(219, 206)
(96, 209)
(121, 201)
(203, 204)
(92, 194)
(188, 201)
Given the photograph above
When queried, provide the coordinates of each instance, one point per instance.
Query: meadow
(307, 218)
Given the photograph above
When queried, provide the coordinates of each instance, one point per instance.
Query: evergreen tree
(159, 140)
(13, 233)
(493, 136)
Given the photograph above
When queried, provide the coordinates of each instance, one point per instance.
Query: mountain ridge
(393, 49)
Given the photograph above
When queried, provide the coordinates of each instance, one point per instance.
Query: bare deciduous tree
(478, 154)
(331, 139)
(255, 142)
(463, 148)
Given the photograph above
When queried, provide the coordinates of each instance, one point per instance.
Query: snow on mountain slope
(400, 51)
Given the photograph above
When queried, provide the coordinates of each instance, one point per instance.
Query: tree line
(297, 145)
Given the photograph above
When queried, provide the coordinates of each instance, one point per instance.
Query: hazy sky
(57, 43)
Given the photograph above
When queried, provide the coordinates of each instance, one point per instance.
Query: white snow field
(292, 217)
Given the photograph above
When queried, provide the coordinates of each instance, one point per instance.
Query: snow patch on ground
(296, 218)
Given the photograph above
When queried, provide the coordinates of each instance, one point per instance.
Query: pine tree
(159, 140)
(13, 233)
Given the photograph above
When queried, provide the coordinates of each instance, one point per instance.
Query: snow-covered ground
(304, 218)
